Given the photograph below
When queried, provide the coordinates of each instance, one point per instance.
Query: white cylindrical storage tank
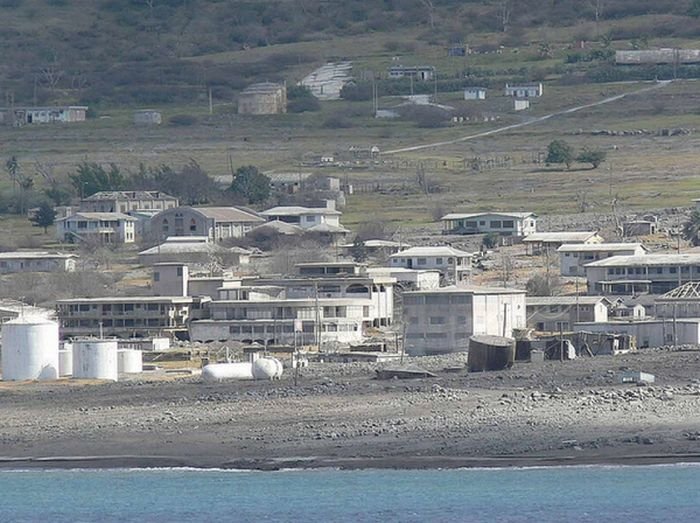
(267, 368)
(227, 371)
(95, 359)
(65, 362)
(129, 361)
(30, 349)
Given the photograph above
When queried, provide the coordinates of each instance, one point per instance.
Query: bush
(337, 121)
(301, 100)
(182, 120)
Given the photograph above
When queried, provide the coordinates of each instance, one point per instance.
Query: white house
(650, 332)
(100, 227)
(475, 93)
(306, 217)
(524, 91)
(442, 320)
(36, 261)
(573, 257)
(451, 262)
(549, 241)
(517, 224)
(650, 273)
(555, 313)
(521, 105)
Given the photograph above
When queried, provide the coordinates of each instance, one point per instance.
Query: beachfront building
(574, 256)
(96, 227)
(518, 224)
(559, 313)
(452, 263)
(650, 273)
(36, 261)
(215, 223)
(442, 320)
(126, 317)
(541, 242)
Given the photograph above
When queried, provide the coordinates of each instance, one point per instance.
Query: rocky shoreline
(339, 416)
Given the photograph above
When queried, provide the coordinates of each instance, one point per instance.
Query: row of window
(651, 270)
(438, 299)
(437, 335)
(135, 322)
(307, 327)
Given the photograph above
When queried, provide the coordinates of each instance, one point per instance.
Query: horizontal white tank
(267, 368)
(65, 362)
(30, 349)
(227, 371)
(129, 361)
(95, 359)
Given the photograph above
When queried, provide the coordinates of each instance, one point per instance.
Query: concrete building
(633, 228)
(681, 302)
(33, 115)
(194, 250)
(97, 227)
(550, 241)
(13, 309)
(475, 93)
(560, 313)
(147, 117)
(377, 247)
(517, 224)
(651, 273)
(442, 320)
(215, 223)
(126, 317)
(657, 56)
(422, 73)
(452, 263)
(651, 333)
(36, 261)
(263, 98)
(128, 201)
(306, 217)
(409, 279)
(521, 105)
(573, 257)
(524, 91)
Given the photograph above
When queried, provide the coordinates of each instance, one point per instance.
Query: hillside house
(521, 105)
(215, 223)
(97, 227)
(194, 250)
(573, 257)
(442, 320)
(524, 91)
(452, 263)
(421, 73)
(147, 117)
(315, 219)
(475, 93)
(650, 273)
(518, 224)
(560, 313)
(128, 201)
(36, 261)
(540, 242)
(263, 98)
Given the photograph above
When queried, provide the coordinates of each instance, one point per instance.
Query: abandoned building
(128, 201)
(96, 227)
(215, 223)
(560, 313)
(524, 91)
(263, 98)
(573, 257)
(475, 93)
(454, 264)
(147, 117)
(18, 116)
(517, 224)
(422, 73)
(544, 242)
(36, 261)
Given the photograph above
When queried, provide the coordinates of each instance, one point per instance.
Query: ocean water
(561, 494)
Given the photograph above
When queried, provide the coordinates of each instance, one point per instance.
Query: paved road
(539, 119)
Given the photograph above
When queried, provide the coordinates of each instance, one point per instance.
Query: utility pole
(211, 102)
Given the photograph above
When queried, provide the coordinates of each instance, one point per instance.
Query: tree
(44, 217)
(249, 182)
(13, 170)
(691, 228)
(91, 178)
(541, 285)
(594, 157)
(301, 100)
(559, 151)
(694, 9)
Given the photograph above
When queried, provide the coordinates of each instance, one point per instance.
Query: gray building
(128, 201)
(215, 223)
(263, 98)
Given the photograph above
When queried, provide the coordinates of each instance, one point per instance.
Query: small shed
(147, 117)
(521, 105)
(475, 93)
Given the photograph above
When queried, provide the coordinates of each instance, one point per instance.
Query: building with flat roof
(36, 261)
(525, 90)
(442, 320)
(263, 98)
(417, 72)
(127, 201)
(650, 273)
(215, 223)
(519, 224)
(97, 227)
(18, 116)
(559, 313)
(574, 256)
(306, 217)
(475, 93)
(453, 263)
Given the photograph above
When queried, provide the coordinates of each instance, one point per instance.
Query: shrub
(182, 120)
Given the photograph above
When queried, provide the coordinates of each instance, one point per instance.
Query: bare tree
(505, 11)
(598, 7)
(51, 75)
(430, 6)
(507, 267)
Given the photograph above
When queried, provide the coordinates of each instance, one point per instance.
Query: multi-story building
(98, 227)
(36, 261)
(306, 217)
(573, 257)
(442, 320)
(518, 224)
(126, 317)
(650, 273)
(215, 223)
(559, 313)
(453, 263)
(128, 201)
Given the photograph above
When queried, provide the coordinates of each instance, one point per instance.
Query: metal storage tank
(95, 359)
(129, 361)
(490, 353)
(267, 368)
(65, 362)
(227, 371)
(30, 349)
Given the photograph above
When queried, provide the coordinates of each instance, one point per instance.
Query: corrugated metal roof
(560, 237)
(463, 216)
(34, 255)
(441, 250)
(294, 210)
(100, 216)
(598, 247)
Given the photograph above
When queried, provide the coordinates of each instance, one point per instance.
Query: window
(482, 222)
(310, 219)
(508, 224)
(437, 320)
(438, 261)
(470, 224)
(421, 261)
(179, 271)
(156, 276)
(495, 224)
(672, 270)
(193, 225)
